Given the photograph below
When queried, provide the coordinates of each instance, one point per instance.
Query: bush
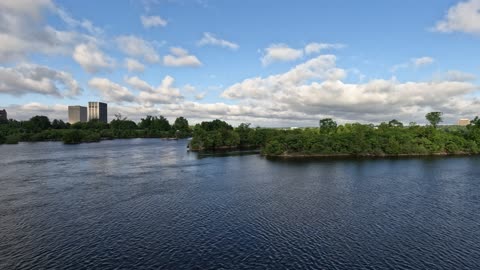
(274, 148)
(72, 137)
(452, 148)
(12, 139)
(91, 137)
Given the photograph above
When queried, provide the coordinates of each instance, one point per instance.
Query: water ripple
(149, 204)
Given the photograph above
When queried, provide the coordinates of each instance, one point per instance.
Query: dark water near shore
(149, 204)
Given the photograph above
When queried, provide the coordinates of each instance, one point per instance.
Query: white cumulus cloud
(91, 58)
(414, 63)
(138, 47)
(74, 23)
(165, 93)
(180, 57)
(280, 53)
(422, 61)
(463, 17)
(152, 21)
(134, 65)
(314, 47)
(110, 91)
(211, 39)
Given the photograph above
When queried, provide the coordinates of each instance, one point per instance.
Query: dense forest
(40, 128)
(330, 139)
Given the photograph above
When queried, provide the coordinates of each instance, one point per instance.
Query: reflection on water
(148, 203)
(229, 153)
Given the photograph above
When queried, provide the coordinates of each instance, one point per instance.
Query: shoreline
(101, 140)
(299, 156)
(366, 156)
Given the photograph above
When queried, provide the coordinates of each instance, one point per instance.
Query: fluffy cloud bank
(27, 78)
(301, 96)
(146, 95)
(24, 32)
(315, 89)
(28, 110)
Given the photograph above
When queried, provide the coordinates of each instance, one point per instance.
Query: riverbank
(362, 156)
(299, 156)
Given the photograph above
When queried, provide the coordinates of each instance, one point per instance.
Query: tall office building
(3, 115)
(77, 114)
(97, 110)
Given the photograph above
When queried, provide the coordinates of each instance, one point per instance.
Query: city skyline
(268, 63)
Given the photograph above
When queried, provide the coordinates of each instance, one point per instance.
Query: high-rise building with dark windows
(97, 110)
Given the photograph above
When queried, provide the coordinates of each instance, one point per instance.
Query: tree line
(329, 138)
(40, 128)
(352, 139)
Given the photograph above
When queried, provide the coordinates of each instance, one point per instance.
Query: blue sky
(270, 63)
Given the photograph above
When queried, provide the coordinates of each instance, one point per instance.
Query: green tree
(72, 137)
(181, 124)
(123, 124)
(274, 148)
(327, 125)
(162, 124)
(395, 123)
(58, 124)
(146, 123)
(475, 123)
(434, 118)
(38, 123)
(243, 131)
(216, 125)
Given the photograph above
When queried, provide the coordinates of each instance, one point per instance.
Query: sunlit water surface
(149, 204)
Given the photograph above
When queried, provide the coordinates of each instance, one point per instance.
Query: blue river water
(151, 204)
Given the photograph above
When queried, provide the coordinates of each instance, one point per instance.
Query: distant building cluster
(95, 111)
(3, 115)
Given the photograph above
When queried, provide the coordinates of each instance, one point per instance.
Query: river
(150, 204)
